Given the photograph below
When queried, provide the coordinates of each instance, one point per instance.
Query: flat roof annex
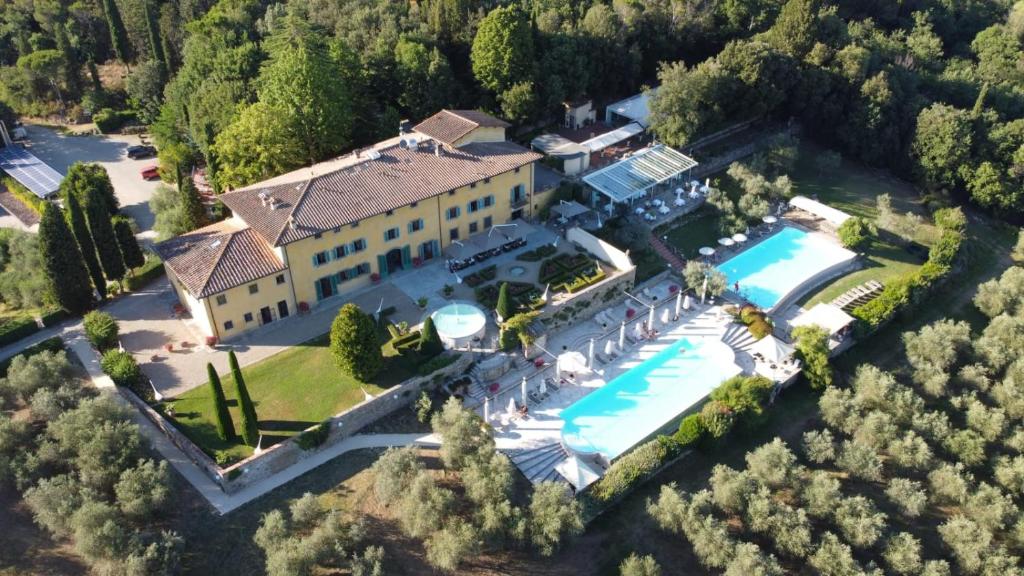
(624, 180)
(29, 171)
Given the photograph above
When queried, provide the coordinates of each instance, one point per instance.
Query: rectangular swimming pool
(772, 269)
(631, 407)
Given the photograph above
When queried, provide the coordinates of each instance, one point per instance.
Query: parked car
(141, 151)
(151, 173)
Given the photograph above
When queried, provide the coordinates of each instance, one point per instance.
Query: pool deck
(534, 443)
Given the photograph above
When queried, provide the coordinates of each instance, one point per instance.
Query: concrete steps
(538, 464)
(738, 337)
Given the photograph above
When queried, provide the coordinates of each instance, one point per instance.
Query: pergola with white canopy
(831, 215)
(772, 349)
(627, 179)
(577, 472)
(828, 316)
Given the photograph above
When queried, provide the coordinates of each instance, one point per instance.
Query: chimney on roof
(437, 149)
(404, 127)
(291, 222)
(274, 203)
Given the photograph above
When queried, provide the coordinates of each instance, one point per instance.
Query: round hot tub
(459, 323)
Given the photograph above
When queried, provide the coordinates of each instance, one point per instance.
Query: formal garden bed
(524, 295)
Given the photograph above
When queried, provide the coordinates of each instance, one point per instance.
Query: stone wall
(603, 250)
(285, 454)
(587, 302)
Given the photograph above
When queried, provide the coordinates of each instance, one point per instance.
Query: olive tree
(821, 494)
(424, 507)
(833, 557)
(903, 554)
(143, 490)
(860, 461)
(635, 565)
(967, 446)
(1002, 341)
(749, 559)
(1002, 295)
(462, 434)
(393, 472)
(554, 514)
(731, 488)
(27, 374)
(990, 507)
(949, 483)
(488, 478)
(968, 542)
(1009, 473)
(819, 446)
(773, 464)
(910, 451)
(908, 496)
(937, 345)
(859, 521)
(447, 547)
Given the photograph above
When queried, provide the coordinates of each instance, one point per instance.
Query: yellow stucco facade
(340, 260)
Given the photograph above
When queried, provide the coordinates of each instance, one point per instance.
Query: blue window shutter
(382, 265)
(319, 292)
(406, 256)
(315, 263)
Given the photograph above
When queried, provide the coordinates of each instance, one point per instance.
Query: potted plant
(303, 307)
(169, 347)
(375, 278)
(416, 261)
(422, 302)
(448, 290)
(211, 341)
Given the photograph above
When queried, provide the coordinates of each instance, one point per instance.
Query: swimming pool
(772, 269)
(631, 407)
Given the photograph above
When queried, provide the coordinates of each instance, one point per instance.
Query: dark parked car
(142, 151)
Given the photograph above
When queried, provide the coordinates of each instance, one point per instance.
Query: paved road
(60, 151)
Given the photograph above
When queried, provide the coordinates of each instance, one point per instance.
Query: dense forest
(931, 89)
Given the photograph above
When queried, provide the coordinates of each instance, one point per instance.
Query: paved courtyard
(148, 323)
(61, 151)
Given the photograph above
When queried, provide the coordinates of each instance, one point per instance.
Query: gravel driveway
(60, 151)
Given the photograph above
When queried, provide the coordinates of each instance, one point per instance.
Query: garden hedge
(17, 328)
(109, 120)
(143, 275)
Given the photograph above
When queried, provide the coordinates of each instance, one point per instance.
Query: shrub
(314, 437)
(691, 430)
(855, 232)
(812, 348)
(121, 367)
(743, 394)
(718, 418)
(101, 329)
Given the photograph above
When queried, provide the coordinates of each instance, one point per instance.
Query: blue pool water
(620, 414)
(771, 269)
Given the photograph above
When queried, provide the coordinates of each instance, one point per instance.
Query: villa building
(297, 239)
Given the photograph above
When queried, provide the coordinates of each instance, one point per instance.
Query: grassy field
(292, 390)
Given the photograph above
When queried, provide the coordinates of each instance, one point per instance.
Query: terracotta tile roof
(398, 177)
(450, 125)
(218, 257)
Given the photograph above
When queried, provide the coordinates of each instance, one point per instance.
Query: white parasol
(739, 237)
(639, 210)
(664, 209)
(680, 202)
(769, 219)
(707, 251)
(726, 242)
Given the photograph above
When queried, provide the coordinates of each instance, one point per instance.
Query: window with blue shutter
(453, 212)
(391, 234)
(489, 201)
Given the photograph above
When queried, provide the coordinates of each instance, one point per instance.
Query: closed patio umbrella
(609, 348)
(512, 408)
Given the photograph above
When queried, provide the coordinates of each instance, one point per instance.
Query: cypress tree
(430, 341)
(225, 427)
(103, 235)
(86, 245)
(133, 256)
(65, 270)
(156, 47)
(250, 423)
(191, 205)
(118, 35)
(504, 308)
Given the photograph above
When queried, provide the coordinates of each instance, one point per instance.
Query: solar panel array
(29, 171)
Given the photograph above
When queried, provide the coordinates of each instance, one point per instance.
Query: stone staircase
(538, 464)
(666, 253)
(738, 337)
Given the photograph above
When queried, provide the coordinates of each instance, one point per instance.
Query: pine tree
(250, 423)
(430, 341)
(225, 427)
(133, 256)
(103, 235)
(504, 308)
(86, 245)
(65, 270)
(118, 35)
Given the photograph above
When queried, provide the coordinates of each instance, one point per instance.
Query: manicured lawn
(883, 262)
(699, 229)
(292, 390)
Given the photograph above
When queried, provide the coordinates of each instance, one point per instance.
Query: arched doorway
(394, 260)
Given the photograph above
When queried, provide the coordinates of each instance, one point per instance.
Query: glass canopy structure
(634, 176)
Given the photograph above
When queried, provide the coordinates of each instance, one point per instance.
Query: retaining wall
(285, 454)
